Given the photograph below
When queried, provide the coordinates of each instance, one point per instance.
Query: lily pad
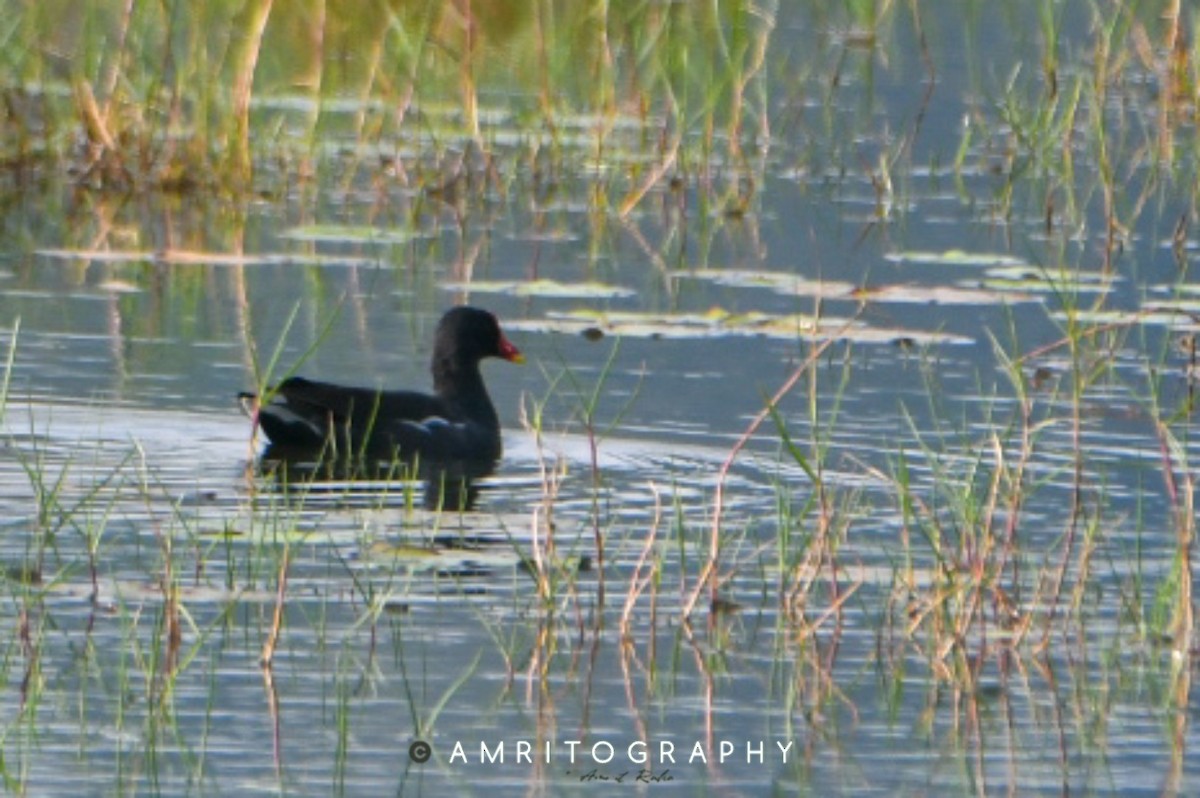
(1181, 306)
(402, 551)
(1032, 279)
(176, 257)
(779, 282)
(940, 295)
(113, 592)
(794, 285)
(1160, 315)
(350, 234)
(1186, 289)
(544, 288)
(171, 256)
(441, 559)
(955, 257)
(119, 287)
(720, 323)
(546, 236)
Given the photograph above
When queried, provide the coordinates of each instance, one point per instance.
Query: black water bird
(453, 431)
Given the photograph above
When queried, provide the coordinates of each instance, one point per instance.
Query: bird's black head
(466, 335)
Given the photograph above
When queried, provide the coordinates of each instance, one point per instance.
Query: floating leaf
(955, 257)
(227, 530)
(119, 287)
(940, 294)
(1186, 307)
(720, 323)
(1029, 278)
(628, 323)
(576, 563)
(349, 234)
(156, 256)
(441, 559)
(795, 285)
(402, 551)
(1187, 289)
(1163, 315)
(550, 236)
(112, 592)
(544, 288)
(779, 282)
(175, 257)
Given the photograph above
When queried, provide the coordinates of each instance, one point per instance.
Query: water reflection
(447, 484)
(448, 438)
(892, 577)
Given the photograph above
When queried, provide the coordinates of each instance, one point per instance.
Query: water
(851, 634)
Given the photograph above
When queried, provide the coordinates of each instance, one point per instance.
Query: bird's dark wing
(306, 414)
(285, 426)
(362, 408)
(356, 403)
(438, 440)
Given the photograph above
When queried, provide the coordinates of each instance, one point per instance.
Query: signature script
(642, 776)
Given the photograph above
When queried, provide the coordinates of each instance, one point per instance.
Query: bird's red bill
(510, 352)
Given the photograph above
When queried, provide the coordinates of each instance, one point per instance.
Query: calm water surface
(127, 467)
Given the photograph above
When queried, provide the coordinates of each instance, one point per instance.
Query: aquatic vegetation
(720, 323)
(861, 411)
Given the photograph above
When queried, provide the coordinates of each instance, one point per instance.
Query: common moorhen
(455, 424)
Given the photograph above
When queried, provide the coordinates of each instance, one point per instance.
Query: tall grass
(680, 131)
(195, 97)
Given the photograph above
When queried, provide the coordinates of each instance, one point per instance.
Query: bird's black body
(453, 431)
